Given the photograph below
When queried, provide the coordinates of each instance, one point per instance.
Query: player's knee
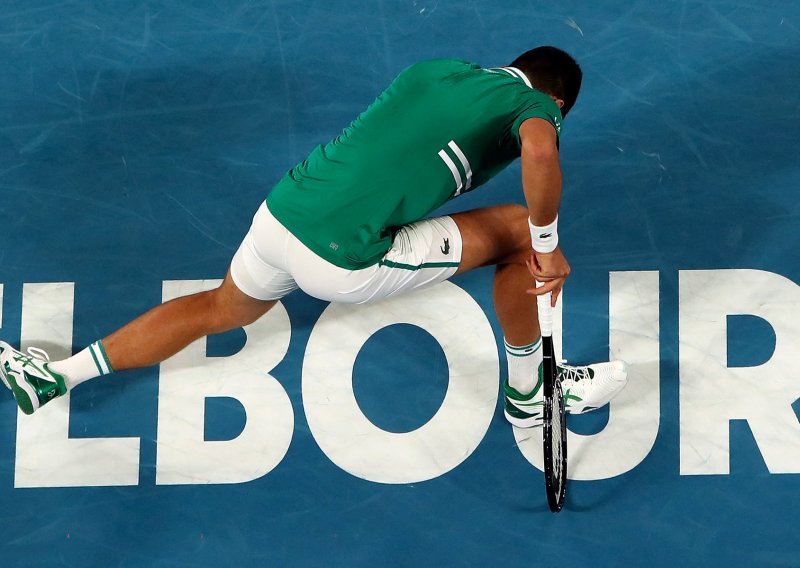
(519, 233)
(511, 223)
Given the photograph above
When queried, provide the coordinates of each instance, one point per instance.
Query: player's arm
(541, 172)
(541, 182)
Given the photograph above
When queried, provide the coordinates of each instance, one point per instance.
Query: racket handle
(545, 312)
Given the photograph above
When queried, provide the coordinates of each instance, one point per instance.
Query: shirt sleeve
(537, 105)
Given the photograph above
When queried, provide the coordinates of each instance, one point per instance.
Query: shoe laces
(38, 353)
(570, 373)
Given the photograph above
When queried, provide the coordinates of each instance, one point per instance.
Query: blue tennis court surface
(137, 140)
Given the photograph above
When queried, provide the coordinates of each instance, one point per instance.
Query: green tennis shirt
(442, 128)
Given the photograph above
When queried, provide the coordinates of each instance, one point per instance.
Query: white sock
(523, 365)
(90, 363)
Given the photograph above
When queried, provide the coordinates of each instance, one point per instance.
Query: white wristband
(544, 239)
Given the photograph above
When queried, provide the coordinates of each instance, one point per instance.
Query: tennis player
(350, 224)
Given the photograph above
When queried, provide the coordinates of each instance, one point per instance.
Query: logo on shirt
(446, 248)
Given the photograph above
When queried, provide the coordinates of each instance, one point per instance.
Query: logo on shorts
(446, 248)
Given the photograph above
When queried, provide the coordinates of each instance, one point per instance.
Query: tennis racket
(555, 422)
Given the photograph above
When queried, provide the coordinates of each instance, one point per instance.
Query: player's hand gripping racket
(555, 423)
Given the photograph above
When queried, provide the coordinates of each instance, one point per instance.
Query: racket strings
(556, 435)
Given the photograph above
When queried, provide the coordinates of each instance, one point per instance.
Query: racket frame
(555, 479)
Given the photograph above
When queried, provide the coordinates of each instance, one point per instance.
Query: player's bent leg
(500, 236)
(496, 235)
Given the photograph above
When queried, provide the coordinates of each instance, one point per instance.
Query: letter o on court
(342, 430)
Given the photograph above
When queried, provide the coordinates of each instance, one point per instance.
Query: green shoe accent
(523, 406)
(23, 401)
(44, 389)
(512, 410)
(61, 384)
(568, 396)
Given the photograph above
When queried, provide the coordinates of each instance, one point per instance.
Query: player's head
(552, 71)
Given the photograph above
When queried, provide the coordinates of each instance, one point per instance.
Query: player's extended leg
(254, 283)
(168, 328)
(500, 236)
(147, 340)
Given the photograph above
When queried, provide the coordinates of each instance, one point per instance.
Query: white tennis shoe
(29, 378)
(585, 388)
(590, 387)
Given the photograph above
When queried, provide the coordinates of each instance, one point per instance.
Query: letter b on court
(188, 378)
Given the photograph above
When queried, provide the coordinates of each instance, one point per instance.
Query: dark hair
(552, 71)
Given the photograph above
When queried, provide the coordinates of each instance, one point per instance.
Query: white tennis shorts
(271, 262)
